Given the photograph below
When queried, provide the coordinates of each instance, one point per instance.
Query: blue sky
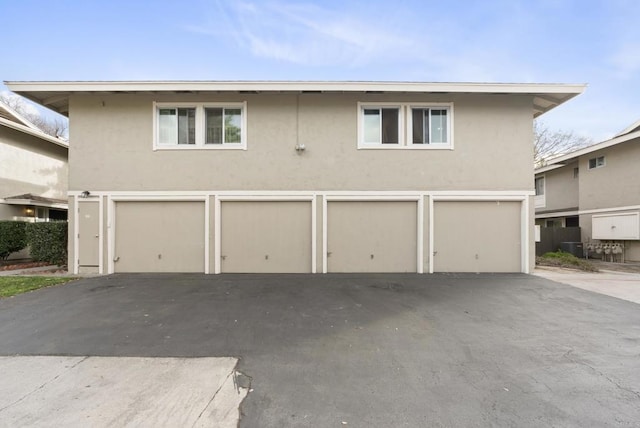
(563, 41)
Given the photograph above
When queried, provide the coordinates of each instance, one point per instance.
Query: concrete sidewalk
(621, 285)
(119, 391)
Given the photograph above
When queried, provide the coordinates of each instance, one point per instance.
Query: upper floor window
(539, 186)
(596, 162)
(405, 125)
(200, 126)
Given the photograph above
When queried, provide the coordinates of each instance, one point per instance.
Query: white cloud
(303, 34)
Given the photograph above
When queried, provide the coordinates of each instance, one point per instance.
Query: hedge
(48, 242)
(12, 237)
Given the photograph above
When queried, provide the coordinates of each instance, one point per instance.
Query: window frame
(542, 179)
(604, 162)
(405, 126)
(200, 125)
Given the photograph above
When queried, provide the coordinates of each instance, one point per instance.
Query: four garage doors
(276, 236)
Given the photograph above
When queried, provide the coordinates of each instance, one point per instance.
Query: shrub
(12, 237)
(48, 242)
(568, 260)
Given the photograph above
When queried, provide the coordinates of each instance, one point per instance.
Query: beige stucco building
(598, 189)
(33, 171)
(300, 176)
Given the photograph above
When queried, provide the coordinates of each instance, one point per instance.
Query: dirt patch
(11, 265)
(617, 267)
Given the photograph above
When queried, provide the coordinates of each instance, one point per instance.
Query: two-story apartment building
(596, 188)
(33, 171)
(300, 176)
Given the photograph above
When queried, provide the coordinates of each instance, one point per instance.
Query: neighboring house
(33, 171)
(300, 176)
(596, 188)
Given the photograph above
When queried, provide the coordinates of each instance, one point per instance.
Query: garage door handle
(223, 257)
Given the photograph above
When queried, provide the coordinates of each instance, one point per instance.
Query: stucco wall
(31, 165)
(561, 188)
(617, 184)
(111, 146)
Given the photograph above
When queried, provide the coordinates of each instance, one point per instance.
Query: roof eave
(54, 95)
(562, 160)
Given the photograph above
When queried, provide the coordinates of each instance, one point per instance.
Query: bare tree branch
(56, 127)
(548, 143)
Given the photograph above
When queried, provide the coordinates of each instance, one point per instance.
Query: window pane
(372, 126)
(186, 126)
(213, 125)
(592, 163)
(232, 125)
(438, 126)
(540, 186)
(167, 126)
(390, 126)
(420, 125)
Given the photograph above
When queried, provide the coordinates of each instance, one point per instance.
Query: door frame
(417, 198)
(524, 221)
(111, 243)
(220, 198)
(77, 200)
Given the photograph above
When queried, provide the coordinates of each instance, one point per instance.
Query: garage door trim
(152, 198)
(418, 198)
(257, 198)
(524, 221)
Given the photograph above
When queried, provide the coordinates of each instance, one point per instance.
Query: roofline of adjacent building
(34, 132)
(18, 116)
(561, 161)
(547, 95)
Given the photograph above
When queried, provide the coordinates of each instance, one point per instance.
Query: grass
(12, 285)
(565, 260)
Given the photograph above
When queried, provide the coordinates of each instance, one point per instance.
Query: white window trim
(604, 162)
(200, 126)
(404, 126)
(431, 146)
(540, 201)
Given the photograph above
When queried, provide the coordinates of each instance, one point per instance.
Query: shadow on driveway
(371, 350)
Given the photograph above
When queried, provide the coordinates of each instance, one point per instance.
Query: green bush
(568, 260)
(48, 242)
(12, 237)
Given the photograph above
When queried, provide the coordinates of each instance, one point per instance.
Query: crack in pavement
(44, 384)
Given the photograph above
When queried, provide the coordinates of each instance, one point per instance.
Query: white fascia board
(295, 86)
(35, 203)
(18, 116)
(629, 128)
(34, 132)
(557, 214)
(591, 149)
(548, 168)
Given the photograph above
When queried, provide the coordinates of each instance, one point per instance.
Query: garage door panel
(368, 236)
(478, 236)
(159, 236)
(265, 236)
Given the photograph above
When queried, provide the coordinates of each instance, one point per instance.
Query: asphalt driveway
(365, 350)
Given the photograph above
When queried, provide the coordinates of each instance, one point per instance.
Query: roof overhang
(561, 161)
(55, 95)
(36, 202)
(34, 132)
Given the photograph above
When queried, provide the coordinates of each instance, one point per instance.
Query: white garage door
(371, 236)
(477, 236)
(265, 237)
(159, 237)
